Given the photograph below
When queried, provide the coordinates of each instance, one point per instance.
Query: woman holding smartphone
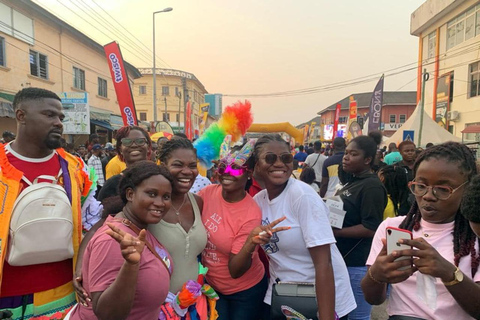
(440, 278)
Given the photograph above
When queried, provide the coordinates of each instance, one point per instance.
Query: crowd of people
(148, 237)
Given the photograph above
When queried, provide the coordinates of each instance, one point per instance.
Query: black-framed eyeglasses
(127, 142)
(271, 158)
(440, 192)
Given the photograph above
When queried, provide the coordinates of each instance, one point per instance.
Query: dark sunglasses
(127, 142)
(271, 158)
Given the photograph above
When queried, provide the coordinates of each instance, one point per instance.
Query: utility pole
(179, 95)
(166, 113)
(425, 77)
(185, 99)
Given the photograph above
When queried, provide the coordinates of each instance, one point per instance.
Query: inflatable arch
(278, 127)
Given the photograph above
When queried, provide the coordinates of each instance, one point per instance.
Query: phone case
(393, 236)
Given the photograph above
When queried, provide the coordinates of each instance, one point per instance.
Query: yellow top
(389, 211)
(114, 167)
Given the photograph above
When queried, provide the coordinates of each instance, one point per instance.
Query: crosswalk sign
(408, 135)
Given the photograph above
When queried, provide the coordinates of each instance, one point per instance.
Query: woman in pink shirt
(231, 255)
(126, 271)
(441, 279)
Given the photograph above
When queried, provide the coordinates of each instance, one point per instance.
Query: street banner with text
(335, 122)
(375, 110)
(121, 84)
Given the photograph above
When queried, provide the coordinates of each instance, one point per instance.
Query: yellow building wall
(456, 59)
(64, 51)
(144, 102)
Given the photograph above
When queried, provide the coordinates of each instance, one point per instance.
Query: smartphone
(393, 236)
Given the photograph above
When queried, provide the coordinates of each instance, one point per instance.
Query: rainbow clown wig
(235, 121)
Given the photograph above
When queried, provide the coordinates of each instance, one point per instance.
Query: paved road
(379, 312)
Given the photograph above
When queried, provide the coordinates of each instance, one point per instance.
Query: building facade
(216, 104)
(449, 50)
(37, 49)
(397, 107)
(175, 89)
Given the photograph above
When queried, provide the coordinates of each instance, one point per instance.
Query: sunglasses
(440, 192)
(271, 158)
(233, 171)
(127, 142)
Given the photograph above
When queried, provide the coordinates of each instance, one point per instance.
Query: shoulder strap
(135, 229)
(316, 161)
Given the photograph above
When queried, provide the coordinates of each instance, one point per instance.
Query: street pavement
(379, 312)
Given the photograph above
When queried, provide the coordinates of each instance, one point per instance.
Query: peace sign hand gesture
(262, 234)
(131, 247)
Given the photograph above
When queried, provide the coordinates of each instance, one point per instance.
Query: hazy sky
(264, 46)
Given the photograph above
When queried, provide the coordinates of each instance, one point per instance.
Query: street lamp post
(179, 95)
(154, 68)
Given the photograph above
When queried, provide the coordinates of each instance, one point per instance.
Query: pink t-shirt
(102, 262)
(228, 226)
(403, 298)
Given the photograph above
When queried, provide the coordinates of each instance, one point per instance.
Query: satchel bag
(297, 295)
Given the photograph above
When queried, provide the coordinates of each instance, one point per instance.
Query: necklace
(177, 211)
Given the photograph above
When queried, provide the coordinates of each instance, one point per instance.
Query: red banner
(353, 109)
(335, 122)
(188, 124)
(121, 84)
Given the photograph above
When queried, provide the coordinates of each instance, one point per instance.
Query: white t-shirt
(312, 159)
(290, 259)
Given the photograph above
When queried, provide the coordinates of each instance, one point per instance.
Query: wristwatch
(458, 277)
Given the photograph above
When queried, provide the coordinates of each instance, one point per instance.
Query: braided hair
(464, 238)
(396, 182)
(168, 147)
(471, 200)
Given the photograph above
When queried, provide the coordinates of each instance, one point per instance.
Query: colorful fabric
(22, 280)
(42, 305)
(235, 121)
(74, 181)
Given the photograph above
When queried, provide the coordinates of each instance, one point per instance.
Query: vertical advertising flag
(204, 115)
(312, 130)
(188, 123)
(305, 133)
(352, 116)
(121, 84)
(375, 110)
(335, 122)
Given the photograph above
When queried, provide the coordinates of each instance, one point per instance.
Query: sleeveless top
(184, 247)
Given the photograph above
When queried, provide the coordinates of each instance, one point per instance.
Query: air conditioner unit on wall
(453, 115)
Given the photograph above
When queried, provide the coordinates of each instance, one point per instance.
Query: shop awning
(472, 129)
(103, 124)
(6, 105)
(116, 121)
(100, 114)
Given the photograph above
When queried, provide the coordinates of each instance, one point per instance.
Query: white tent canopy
(431, 131)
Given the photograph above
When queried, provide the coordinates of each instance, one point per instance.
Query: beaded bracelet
(373, 279)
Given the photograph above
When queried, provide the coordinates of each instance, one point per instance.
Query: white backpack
(41, 226)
